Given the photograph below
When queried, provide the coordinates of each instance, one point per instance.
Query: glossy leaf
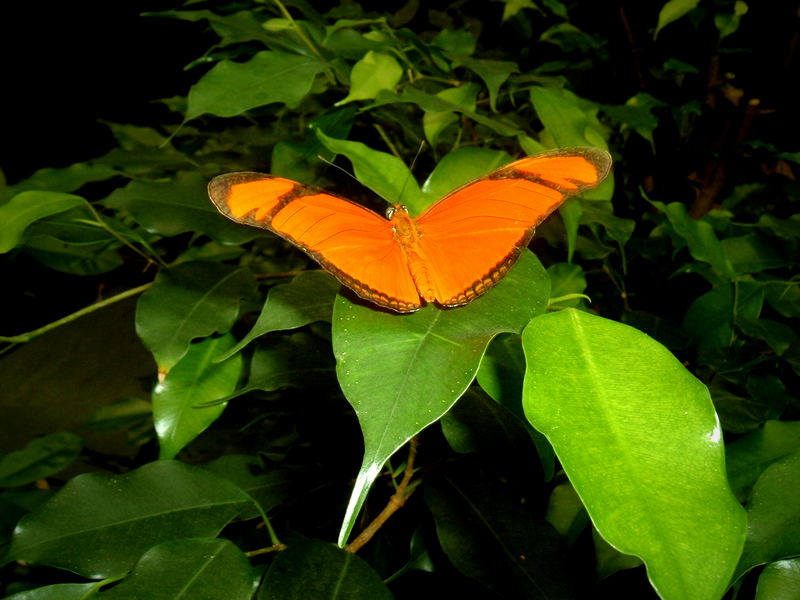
(305, 299)
(98, 526)
(60, 591)
(774, 524)
(192, 300)
(672, 11)
(383, 173)
(267, 485)
(26, 208)
(201, 568)
(642, 446)
(748, 456)
(461, 166)
(779, 581)
(184, 403)
(298, 360)
(41, 458)
(402, 372)
(231, 88)
(177, 206)
(315, 569)
(376, 71)
(494, 74)
(497, 542)
(434, 122)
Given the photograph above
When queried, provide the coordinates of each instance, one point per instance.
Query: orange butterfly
(450, 254)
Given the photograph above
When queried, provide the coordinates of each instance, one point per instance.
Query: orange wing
(354, 244)
(471, 237)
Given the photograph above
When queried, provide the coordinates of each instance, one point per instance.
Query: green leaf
(315, 569)
(298, 360)
(26, 208)
(774, 523)
(268, 487)
(637, 113)
(65, 179)
(753, 253)
(500, 375)
(729, 23)
(236, 28)
(748, 456)
(461, 166)
(375, 72)
(783, 296)
(61, 591)
(402, 372)
(672, 11)
(231, 88)
(779, 581)
(202, 568)
(177, 206)
(456, 41)
(434, 122)
(305, 299)
(777, 335)
(489, 537)
(493, 72)
(192, 300)
(184, 402)
(699, 236)
(637, 435)
(570, 121)
(566, 279)
(98, 526)
(383, 173)
(430, 102)
(41, 458)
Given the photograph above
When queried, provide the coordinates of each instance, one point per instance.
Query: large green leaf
(383, 173)
(65, 179)
(461, 166)
(27, 207)
(774, 515)
(402, 372)
(376, 71)
(198, 568)
(306, 299)
(434, 122)
(493, 72)
(98, 526)
(41, 458)
(231, 88)
(315, 569)
(177, 206)
(184, 403)
(638, 437)
(192, 300)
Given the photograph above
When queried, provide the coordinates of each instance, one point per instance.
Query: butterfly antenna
(335, 166)
(411, 168)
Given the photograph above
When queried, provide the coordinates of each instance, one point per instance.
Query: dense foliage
(618, 415)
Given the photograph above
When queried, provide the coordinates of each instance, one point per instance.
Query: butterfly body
(452, 253)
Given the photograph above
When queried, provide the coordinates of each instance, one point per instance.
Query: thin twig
(396, 502)
(28, 336)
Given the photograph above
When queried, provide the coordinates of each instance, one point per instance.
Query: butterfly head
(394, 208)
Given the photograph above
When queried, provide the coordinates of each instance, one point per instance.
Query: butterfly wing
(472, 236)
(354, 244)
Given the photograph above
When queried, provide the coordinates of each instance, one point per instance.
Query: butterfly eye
(390, 212)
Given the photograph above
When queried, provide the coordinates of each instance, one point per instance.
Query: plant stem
(397, 500)
(28, 336)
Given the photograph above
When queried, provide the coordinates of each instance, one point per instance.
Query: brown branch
(396, 502)
(636, 50)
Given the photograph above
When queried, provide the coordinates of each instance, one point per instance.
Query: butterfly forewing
(354, 244)
(472, 236)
